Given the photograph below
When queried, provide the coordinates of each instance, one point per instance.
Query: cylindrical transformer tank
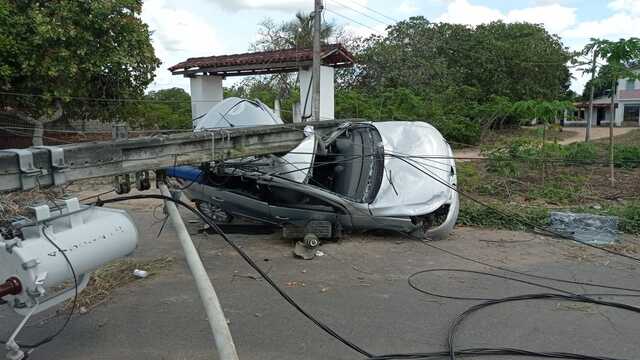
(90, 238)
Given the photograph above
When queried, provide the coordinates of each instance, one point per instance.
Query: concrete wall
(327, 101)
(206, 91)
(622, 83)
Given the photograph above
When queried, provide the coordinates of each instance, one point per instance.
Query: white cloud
(177, 35)
(463, 12)
(622, 24)
(278, 5)
(632, 6)
(618, 25)
(407, 7)
(362, 31)
(283, 5)
(554, 17)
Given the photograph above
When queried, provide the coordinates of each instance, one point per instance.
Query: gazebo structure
(206, 75)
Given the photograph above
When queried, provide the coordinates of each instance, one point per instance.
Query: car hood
(404, 189)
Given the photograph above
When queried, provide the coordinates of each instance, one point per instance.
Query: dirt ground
(576, 135)
(596, 133)
(359, 288)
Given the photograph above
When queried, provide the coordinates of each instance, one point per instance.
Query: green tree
(162, 109)
(518, 61)
(59, 51)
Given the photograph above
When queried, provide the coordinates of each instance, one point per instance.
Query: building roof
(262, 62)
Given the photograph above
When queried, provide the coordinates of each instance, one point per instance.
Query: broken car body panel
(423, 145)
(354, 176)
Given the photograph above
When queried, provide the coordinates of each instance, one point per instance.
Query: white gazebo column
(206, 91)
(327, 101)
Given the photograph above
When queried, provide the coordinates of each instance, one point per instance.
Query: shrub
(473, 214)
(629, 217)
(468, 176)
(626, 156)
(458, 129)
(510, 159)
(580, 152)
(560, 189)
(524, 153)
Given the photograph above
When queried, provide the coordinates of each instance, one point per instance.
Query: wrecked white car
(392, 175)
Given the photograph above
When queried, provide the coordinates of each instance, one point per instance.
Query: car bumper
(443, 230)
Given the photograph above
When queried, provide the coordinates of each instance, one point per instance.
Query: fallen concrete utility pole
(218, 322)
(23, 169)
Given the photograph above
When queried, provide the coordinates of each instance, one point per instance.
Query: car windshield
(352, 163)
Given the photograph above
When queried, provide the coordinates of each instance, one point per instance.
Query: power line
(95, 131)
(87, 98)
(360, 12)
(353, 20)
(370, 9)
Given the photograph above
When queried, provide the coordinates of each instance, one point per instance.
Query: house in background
(627, 106)
(207, 73)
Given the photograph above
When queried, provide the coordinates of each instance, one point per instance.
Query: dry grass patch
(113, 276)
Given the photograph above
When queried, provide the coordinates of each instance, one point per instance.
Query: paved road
(359, 288)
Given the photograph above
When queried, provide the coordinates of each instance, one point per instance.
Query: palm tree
(299, 31)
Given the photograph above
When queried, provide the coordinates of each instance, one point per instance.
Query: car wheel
(214, 212)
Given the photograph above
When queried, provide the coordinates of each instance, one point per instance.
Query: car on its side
(390, 175)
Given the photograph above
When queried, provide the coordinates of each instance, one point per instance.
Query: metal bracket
(57, 163)
(142, 180)
(55, 299)
(28, 171)
(122, 184)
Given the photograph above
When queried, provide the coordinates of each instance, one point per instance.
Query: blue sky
(185, 28)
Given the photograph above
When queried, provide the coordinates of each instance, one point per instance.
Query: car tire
(214, 212)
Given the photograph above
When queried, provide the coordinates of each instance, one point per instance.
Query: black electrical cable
(249, 261)
(73, 305)
(431, 355)
(542, 296)
(501, 268)
(413, 285)
(503, 351)
(514, 216)
(452, 352)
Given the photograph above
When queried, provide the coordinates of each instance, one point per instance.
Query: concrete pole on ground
(218, 322)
